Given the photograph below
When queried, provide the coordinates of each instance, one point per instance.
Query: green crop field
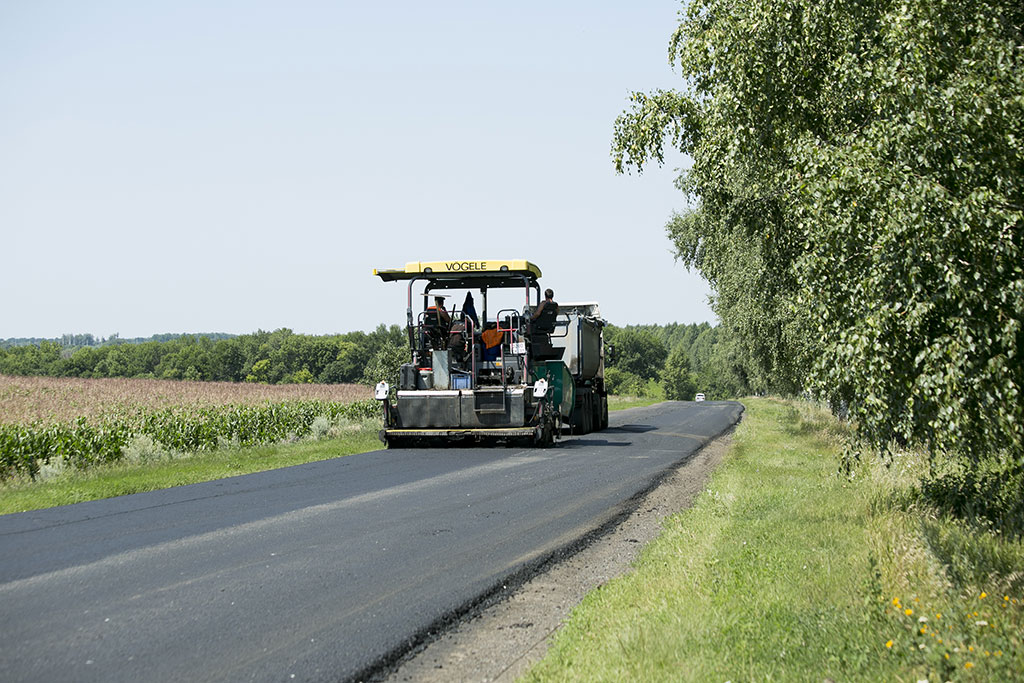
(66, 440)
(63, 428)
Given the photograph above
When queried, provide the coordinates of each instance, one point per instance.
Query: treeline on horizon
(649, 360)
(672, 361)
(76, 341)
(278, 357)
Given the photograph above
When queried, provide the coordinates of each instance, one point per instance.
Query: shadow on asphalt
(629, 429)
(578, 442)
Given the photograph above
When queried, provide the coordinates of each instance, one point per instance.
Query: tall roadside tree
(858, 204)
(914, 216)
(677, 376)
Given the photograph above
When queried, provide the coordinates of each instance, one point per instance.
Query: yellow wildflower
(938, 615)
(895, 602)
(908, 611)
(888, 643)
(968, 665)
(983, 595)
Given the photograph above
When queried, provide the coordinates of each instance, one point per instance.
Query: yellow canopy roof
(454, 270)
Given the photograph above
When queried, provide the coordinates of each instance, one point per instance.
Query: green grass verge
(123, 478)
(785, 570)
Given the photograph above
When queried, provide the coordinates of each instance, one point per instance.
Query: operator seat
(545, 322)
(437, 335)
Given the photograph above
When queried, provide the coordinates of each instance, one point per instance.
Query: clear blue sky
(228, 166)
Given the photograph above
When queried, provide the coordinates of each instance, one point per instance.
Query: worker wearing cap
(442, 315)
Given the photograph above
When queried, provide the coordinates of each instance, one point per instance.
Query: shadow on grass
(972, 557)
(987, 494)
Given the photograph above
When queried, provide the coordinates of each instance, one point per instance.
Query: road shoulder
(500, 641)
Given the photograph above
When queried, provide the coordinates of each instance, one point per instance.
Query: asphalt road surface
(315, 572)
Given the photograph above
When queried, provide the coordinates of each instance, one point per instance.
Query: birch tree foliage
(914, 222)
(858, 201)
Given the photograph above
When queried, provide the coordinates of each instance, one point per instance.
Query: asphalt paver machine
(502, 375)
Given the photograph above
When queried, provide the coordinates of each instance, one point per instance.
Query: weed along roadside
(785, 569)
(156, 469)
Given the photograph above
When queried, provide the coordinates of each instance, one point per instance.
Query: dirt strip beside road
(499, 642)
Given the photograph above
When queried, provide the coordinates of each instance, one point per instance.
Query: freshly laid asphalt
(318, 572)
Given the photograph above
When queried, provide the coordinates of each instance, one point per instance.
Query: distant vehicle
(698, 398)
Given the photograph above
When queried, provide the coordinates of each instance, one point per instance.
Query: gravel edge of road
(501, 635)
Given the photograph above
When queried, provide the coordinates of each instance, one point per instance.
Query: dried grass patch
(63, 399)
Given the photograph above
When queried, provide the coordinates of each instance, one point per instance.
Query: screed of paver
(501, 641)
